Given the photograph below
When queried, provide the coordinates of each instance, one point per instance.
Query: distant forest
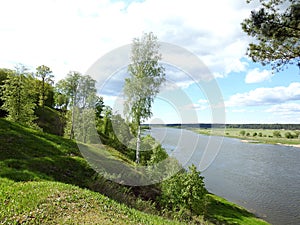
(242, 126)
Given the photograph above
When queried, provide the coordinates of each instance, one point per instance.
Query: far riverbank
(265, 136)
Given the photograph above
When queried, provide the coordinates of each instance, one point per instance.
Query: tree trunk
(43, 92)
(73, 117)
(72, 123)
(138, 144)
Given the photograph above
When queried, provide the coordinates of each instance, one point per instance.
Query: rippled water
(263, 178)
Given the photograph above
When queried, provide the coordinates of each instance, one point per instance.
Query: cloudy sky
(73, 34)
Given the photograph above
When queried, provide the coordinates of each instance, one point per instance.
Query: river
(263, 178)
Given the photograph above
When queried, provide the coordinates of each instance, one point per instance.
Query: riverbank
(265, 136)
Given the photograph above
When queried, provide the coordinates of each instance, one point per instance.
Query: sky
(73, 35)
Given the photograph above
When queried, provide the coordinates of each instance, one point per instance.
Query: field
(267, 136)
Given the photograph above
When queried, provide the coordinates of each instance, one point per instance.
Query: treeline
(265, 126)
(241, 126)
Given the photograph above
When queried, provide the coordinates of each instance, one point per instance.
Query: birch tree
(146, 76)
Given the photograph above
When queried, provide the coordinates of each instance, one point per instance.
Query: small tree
(288, 135)
(185, 189)
(46, 76)
(276, 133)
(146, 77)
(242, 132)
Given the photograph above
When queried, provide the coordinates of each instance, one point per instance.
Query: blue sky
(72, 35)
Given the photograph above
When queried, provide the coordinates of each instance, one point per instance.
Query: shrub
(260, 134)
(185, 190)
(288, 135)
(242, 132)
(254, 134)
(276, 133)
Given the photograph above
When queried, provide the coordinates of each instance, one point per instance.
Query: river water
(263, 178)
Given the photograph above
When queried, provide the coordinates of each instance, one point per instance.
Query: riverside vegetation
(44, 179)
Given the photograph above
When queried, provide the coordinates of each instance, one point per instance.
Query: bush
(242, 132)
(254, 134)
(185, 190)
(260, 134)
(276, 133)
(288, 135)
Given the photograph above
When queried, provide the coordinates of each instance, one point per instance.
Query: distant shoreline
(289, 145)
(263, 136)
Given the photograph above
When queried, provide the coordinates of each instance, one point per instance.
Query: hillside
(44, 179)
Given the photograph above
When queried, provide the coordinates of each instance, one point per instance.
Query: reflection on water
(263, 178)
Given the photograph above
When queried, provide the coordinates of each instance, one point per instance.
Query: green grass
(45, 180)
(226, 212)
(48, 202)
(267, 135)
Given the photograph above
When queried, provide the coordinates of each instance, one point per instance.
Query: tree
(17, 96)
(3, 76)
(146, 77)
(242, 132)
(276, 29)
(80, 92)
(46, 76)
(70, 87)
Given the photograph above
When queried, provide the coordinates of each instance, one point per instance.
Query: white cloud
(257, 76)
(71, 35)
(285, 112)
(266, 96)
(285, 109)
(238, 110)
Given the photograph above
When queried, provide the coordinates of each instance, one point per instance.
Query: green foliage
(276, 133)
(288, 135)
(50, 120)
(121, 130)
(18, 97)
(45, 74)
(254, 134)
(80, 92)
(185, 190)
(146, 77)
(275, 26)
(99, 106)
(242, 132)
(3, 76)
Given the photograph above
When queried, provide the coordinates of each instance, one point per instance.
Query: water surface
(263, 178)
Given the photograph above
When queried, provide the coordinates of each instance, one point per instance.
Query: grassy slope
(47, 202)
(56, 180)
(268, 139)
(44, 179)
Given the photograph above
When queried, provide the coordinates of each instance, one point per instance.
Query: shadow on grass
(27, 154)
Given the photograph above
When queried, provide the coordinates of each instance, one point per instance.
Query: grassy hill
(45, 180)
